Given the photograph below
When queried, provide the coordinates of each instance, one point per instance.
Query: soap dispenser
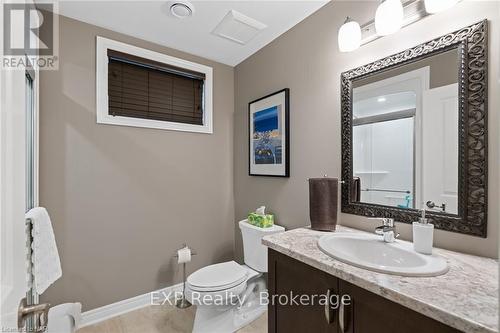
(423, 235)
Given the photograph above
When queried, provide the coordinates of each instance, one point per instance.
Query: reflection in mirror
(405, 135)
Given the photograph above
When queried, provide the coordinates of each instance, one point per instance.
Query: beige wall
(122, 199)
(306, 60)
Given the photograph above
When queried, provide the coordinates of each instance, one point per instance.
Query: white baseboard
(115, 309)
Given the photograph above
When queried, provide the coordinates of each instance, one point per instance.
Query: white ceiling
(152, 21)
(384, 104)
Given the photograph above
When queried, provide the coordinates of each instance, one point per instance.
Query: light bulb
(436, 6)
(349, 36)
(389, 17)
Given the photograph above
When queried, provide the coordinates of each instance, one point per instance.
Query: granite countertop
(465, 298)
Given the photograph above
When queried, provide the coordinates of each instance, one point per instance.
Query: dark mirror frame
(471, 43)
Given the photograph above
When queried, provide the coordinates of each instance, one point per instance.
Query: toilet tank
(254, 252)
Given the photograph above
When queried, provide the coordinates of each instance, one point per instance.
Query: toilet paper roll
(184, 255)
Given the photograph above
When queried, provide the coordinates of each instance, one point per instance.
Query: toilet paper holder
(183, 303)
(193, 253)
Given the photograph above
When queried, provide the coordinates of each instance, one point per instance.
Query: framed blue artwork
(269, 135)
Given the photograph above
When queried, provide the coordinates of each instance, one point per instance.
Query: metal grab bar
(383, 190)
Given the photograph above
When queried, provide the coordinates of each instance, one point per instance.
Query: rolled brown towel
(323, 196)
(356, 189)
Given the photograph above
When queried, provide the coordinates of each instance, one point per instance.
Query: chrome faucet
(387, 230)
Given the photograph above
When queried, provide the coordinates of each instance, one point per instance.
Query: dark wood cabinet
(290, 279)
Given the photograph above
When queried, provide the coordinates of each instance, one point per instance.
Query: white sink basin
(371, 252)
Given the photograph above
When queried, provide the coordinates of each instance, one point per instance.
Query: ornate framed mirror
(414, 134)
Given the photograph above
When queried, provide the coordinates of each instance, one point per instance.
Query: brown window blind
(143, 88)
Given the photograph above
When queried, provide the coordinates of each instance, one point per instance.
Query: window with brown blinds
(143, 88)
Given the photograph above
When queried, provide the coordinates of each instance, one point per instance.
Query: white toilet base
(230, 318)
(227, 319)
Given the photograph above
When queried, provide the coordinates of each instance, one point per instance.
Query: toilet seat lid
(221, 275)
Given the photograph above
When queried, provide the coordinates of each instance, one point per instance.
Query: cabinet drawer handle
(342, 323)
(328, 309)
(341, 318)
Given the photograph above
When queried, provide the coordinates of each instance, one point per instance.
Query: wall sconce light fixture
(436, 6)
(349, 36)
(389, 17)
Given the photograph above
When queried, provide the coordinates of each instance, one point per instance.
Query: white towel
(45, 258)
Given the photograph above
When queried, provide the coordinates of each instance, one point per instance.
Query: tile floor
(161, 319)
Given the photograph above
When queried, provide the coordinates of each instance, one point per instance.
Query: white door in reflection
(440, 148)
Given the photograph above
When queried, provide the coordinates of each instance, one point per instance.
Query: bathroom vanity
(414, 136)
(465, 299)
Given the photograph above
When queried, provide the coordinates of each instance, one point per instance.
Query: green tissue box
(263, 221)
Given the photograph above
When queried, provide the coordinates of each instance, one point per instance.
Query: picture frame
(269, 135)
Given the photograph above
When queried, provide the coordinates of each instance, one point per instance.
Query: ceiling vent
(181, 9)
(238, 28)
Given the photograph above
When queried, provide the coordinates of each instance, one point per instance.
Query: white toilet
(228, 295)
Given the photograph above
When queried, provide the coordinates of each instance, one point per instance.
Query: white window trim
(103, 117)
